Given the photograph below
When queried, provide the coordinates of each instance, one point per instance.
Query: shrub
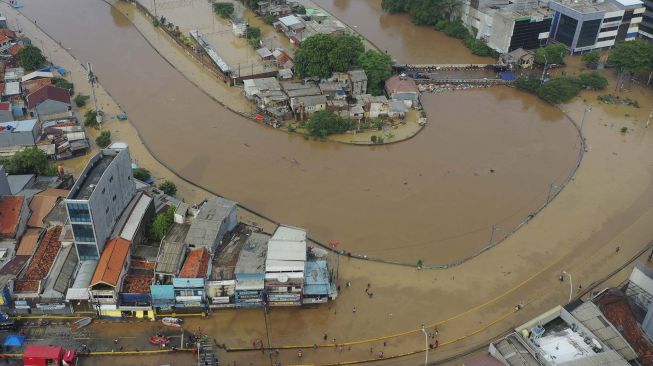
(168, 188)
(373, 139)
(560, 90)
(225, 10)
(81, 99)
(530, 84)
(269, 19)
(593, 80)
(64, 84)
(325, 123)
(90, 119)
(591, 58)
(141, 174)
(104, 139)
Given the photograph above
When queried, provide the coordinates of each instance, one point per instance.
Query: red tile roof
(33, 85)
(10, 207)
(13, 50)
(136, 284)
(614, 306)
(142, 264)
(48, 92)
(196, 264)
(111, 262)
(8, 33)
(4, 38)
(41, 262)
(28, 242)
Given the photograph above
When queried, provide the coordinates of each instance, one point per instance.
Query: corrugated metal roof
(187, 282)
(272, 265)
(205, 227)
(592, 318)
(162, 291)
(172, 250)
(252, 255)
(286, 251)
(10, 207)
(250, 284)
(79, 289)
(135, 218)
(37, 74)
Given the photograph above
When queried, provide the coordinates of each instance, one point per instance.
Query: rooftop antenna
(92, 79)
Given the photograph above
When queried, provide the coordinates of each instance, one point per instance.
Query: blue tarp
(51, 68)
(162, 292)
(508, 76)
(187, 282)
(14, 341)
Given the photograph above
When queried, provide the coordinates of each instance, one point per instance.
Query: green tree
(323, 54)
(81, 99)
(253, 32)
(378, 67)
(325, 123)
(252, 4)
(591, 59)
(301, 10)
(30, 58)
(141, 174)
(225, 10)
(593, 80)
(168, 188)
(553, 54)
(633, 56)
(560, 90)
(530, 84)
(29, 161)
(269, 19)
(64, 84)
(104, 139)
(90, 118)
(162, 223)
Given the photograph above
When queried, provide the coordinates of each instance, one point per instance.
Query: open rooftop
(86, 184)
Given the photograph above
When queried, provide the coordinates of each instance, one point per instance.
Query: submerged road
(487, 158)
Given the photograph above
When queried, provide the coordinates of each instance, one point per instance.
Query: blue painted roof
(187, 282)
(316, 278)
(162, 291)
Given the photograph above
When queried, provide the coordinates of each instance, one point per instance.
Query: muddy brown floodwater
(487, 157)
(396, 34)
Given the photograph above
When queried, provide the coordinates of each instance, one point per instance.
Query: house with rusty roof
(42, 204)
(48, 100)
(30, 283)
(189, 286)
(107, 278)
(403, 89)
(14, 213)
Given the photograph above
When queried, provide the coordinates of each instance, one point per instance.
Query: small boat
(81, 323)
(172, 322)
(159, 340)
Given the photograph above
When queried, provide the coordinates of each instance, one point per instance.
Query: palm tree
(451, 8)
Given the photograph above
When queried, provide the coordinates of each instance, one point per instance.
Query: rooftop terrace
(86, 184)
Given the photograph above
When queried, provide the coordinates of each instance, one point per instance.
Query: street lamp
(571, 286)
(426, 345)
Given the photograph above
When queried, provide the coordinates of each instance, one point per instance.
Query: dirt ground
(606, 205)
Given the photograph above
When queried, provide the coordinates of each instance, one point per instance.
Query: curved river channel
(488, 157)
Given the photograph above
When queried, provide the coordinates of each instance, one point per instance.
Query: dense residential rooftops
(28, 242)
(18, 126)
(172, 249)
(136, 284)
(47, 92)
(10, 207)
(41, 262)
(196, 264)
(252, 254)
(61, 274)
(400, 84)
(111, 262)
(205, 227)
(14, 266)
(41, 205)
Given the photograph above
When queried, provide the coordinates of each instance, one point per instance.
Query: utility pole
(546, 63)
(92, 79)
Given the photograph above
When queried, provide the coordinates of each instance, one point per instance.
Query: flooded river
(396, 34)
(487, 157)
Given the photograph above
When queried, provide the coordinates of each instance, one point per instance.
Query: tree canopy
(162, 223)
(323, 54)
(141, 174)
(551, 54)
(168, 188)
(29, 161)
(325, 123)
(30, 58)
(633, 56)
(225, 10)
(378, 67)
(562, 89)
(64, 84)
(591, 58)
(104, 139)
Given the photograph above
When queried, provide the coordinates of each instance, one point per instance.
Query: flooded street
(396, 34)
(434, 198)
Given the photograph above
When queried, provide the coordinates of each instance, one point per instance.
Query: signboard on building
(220, 299)
(21, 304)
(51, 306)
(284, 297)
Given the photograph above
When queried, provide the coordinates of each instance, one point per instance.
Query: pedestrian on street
(371, 350)
(618, 249)
(348, 284)
(380, 354)
(384, 344)
(334, 341)
(354, 310)
(325, 337)
(115, 341)
(314, 345)
(299, 353)
(369, 285)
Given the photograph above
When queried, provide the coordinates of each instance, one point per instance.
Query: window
(87, 251)
(83, 232)
(79, 212)
(588, 33)
(566, 30)
(609, 29)
(605, 39)
(613, 19)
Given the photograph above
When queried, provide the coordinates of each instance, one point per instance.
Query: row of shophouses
(86, 250)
